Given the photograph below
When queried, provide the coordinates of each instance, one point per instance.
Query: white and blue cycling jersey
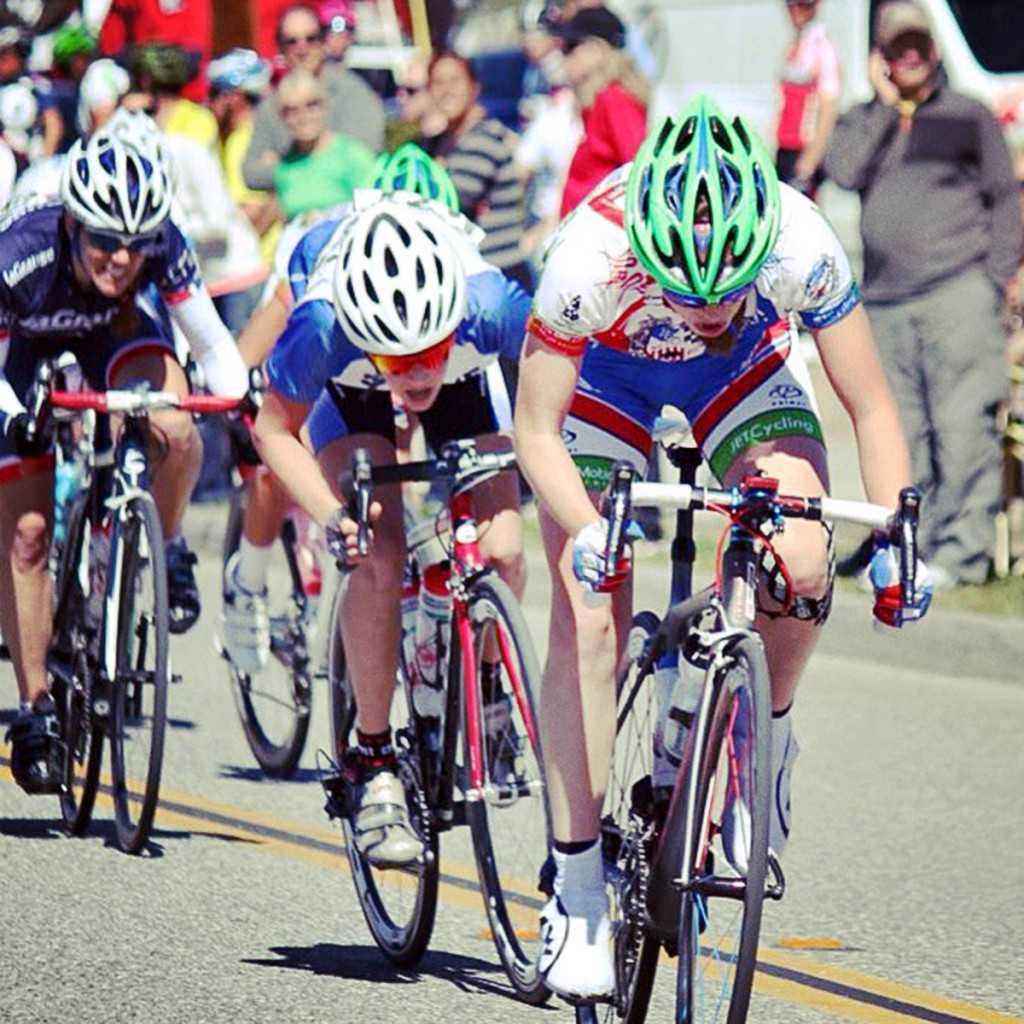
(314, 350)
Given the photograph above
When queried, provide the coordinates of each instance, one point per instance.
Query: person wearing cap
(238, 80)
(941, 227)
(612, 96)
(809, 98)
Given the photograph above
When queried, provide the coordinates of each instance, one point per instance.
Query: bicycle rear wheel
(399, 904)
(139, 710)
(274, 704)
(628, 833)
(725, 846)
(72, 676)
(505, 792)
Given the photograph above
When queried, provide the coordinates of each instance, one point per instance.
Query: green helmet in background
(410, 169)
(71, 40)
(702, 203)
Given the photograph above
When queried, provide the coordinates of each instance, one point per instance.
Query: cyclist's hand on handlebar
(588, 559)
(24, 438)
(884, 571)
(341, 533)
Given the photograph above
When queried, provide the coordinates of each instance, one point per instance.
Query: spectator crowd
(258, 141)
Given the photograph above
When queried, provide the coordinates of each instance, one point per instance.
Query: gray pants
(943, 356)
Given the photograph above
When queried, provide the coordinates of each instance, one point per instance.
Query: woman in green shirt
(321, 168)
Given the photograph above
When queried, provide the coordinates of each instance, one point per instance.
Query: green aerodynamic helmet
(410, 169)
(701, 169)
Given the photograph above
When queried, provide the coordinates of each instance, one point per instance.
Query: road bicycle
(274, 704)
(454, 772)
(108, 659)
(689, 872)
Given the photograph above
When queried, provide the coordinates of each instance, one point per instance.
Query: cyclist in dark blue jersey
(395, 303)
(74, 276)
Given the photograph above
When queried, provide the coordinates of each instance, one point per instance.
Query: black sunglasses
(111, 241)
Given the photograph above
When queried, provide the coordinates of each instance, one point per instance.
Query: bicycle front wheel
(725, 850)
(505, 791)
(139, 711)
(399, 904)
(273, 704)
(72, 677)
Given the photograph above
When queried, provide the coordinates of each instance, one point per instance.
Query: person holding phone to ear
(941, 226)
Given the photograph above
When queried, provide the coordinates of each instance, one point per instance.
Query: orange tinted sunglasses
(429, 360)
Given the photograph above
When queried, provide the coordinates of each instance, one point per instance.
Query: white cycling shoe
(246, 623)
(736, 824)
(576, 954)
(383, 833)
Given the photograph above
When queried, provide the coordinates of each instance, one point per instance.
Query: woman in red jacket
(612, 94)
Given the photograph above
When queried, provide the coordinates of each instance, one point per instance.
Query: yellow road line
(782, 975)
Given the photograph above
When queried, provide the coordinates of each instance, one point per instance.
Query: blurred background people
(184, 23)
(941, 228)
(162, 71)
(350, 106)
(477, 151)
(321, 167)
(238, 80)
(612, 95)
(74, 48)
(810, 85)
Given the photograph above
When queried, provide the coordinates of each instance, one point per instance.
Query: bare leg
(370, 616)
(25, 588)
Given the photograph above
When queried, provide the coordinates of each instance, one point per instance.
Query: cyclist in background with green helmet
(74, 47)
(673, 283)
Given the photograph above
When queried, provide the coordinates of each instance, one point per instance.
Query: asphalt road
(906, 885)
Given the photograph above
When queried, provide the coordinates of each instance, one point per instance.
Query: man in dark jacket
(942, 239)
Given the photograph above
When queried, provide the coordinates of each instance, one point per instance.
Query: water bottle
(679, 684)
(67, 480)
(433, 628)
(99, 558)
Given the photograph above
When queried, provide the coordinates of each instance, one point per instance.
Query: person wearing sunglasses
(391, 303)
(673, 283)
(350, 106)
(80, 274)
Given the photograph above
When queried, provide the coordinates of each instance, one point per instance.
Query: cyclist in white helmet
(81, 275)
(393, 299)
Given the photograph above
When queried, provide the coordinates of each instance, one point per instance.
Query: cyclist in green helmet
(410, 169)
(674, 283)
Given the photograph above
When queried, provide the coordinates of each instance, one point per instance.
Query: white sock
(782, 732)
(579, 880)
(253, 566)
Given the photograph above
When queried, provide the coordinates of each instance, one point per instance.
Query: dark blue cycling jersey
(44, 308)
(314, 349)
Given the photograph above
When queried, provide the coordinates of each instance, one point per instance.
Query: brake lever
(907, 519)
(40, 401)
(362, 474)
(616, 508)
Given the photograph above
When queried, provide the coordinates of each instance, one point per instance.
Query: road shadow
(33, 828)
(247, 773)
(365, 963)
(181, 724)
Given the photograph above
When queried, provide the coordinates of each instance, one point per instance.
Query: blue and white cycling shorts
(730, 408)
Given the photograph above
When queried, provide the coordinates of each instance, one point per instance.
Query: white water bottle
(678, 714)
(433, 631)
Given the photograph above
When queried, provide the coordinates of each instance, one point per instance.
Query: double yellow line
(783, 975)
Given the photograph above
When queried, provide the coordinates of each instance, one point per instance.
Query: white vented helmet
(117, 180)
(399, 286)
